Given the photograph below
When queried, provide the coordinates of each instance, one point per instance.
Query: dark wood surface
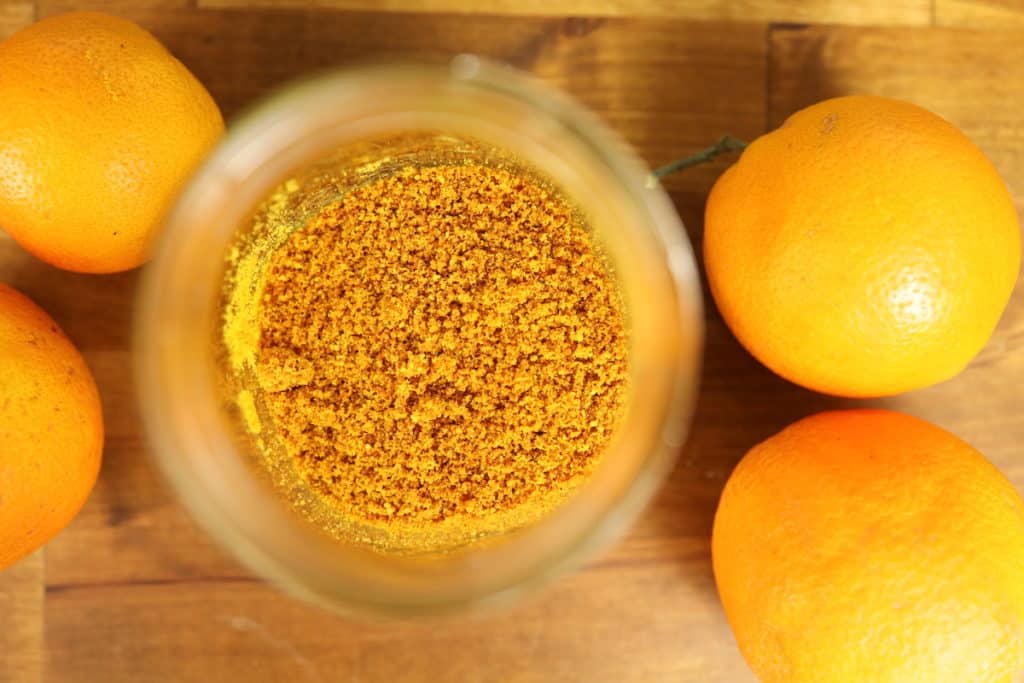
(133, 591)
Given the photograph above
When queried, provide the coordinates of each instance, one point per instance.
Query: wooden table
(134, 591)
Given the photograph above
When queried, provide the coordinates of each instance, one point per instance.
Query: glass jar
(302, 149)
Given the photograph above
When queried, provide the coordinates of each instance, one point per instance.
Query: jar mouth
(177, 313)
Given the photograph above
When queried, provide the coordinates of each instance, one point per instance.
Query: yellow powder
(442, 346)
(247, 406)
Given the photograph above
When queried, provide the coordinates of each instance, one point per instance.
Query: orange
(868, 545)
(51, 428)
(99, 128)
(864, 248)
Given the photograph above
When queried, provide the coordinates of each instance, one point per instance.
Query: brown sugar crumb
(442, 343)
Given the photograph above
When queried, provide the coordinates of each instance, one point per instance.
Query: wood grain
(15, 15)
(118, 7)
(898, 12)
(597, 626)
(980, 13)
(21, 621)
(134, 591)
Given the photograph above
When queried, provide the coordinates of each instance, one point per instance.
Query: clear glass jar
(306, 146)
